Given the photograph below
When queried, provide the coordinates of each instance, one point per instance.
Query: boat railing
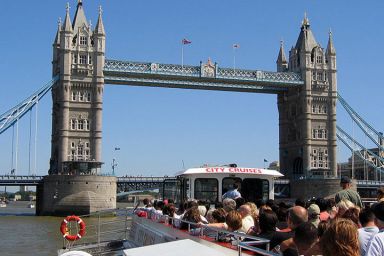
(101, 227)
(241, 240)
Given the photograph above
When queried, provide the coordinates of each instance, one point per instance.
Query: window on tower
(83, 59)
(83, 40)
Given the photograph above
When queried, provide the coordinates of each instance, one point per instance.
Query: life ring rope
(65, 230)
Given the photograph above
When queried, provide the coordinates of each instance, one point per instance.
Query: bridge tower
(73, 185)
(78, 58)
(307, 115)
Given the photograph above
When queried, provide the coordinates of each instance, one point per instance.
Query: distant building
(275, 165)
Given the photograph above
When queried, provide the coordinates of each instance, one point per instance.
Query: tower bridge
(305, 85)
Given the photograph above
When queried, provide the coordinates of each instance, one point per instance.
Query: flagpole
(182, 56)
(234, 59)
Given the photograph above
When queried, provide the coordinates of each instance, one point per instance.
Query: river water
(23, 233)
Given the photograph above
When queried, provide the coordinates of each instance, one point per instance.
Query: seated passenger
(191, 215)
(247, 219)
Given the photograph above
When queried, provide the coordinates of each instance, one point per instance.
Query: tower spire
(281, 61)
(67, 21)
(99, 29)
(57, 37)
(79, 20)
(330, 47)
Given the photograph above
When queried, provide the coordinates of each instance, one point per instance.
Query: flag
(265, 160)
(235, 46)
(186, 41)
(117, 148)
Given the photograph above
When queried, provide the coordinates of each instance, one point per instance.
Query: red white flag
(235, 46)
(186, 41)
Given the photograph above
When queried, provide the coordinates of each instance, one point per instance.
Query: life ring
(65, 231)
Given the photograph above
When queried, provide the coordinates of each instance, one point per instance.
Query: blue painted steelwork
(368, 156)
(374, 135)
(11, 116)
(206, 76)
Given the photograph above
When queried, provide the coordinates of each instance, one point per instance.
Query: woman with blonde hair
(340, 239)
(343, 206)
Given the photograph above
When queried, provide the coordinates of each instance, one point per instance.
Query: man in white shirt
(376, 244)
(368, 230)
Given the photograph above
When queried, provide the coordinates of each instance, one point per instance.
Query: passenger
(380, 194)
(191, 215)
(305, 239)
(340, 239)
(218, 215)
(296, 216)
(314, 214)
(323, 205)
(233, 193)
(376, 244)
(254, 211)
(202, 210)
(247, 219)
(343, 206)
(347, 193)
(282, 214)
(239, 202)
(233, 221)
(300, 202)
(353, 215)
(170, 211)
(267, 226)
(368, 230)
(229, 204)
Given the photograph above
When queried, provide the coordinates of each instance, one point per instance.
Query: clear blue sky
(159, 129)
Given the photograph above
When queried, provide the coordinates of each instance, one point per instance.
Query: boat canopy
(230, 170)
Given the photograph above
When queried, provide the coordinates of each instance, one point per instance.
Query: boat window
(172, 189)
(228, 184)
(255, 189)
(206, 189)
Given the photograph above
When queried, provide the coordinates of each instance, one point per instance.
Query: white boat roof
(211, 170)
(185, 247)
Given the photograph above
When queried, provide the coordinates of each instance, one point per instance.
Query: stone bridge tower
(74, 186)
(307, 115)
(78, 60)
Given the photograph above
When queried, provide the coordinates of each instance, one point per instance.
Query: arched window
(74, 95)
(73, 124)
(80, 125)
(81, 96)
(88, 96)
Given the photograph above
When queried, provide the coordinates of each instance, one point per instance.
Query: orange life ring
(65, 231)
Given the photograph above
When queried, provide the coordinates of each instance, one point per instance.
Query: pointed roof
(281, 58)
(57, 37)
(306, 38)
(67, 26)
(330, 47)
(79, 20)
(99, 29)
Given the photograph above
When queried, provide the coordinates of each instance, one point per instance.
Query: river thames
(23, 233)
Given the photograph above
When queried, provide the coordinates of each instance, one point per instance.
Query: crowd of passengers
(335, 226)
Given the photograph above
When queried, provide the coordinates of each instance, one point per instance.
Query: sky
(160, 131)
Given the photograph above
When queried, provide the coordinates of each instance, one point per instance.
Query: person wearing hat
(314, 214)
(348, 193)
(376, 244)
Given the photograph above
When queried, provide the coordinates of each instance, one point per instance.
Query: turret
(331, 53)
(281, 62)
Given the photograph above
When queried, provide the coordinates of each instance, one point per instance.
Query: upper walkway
(205, 77)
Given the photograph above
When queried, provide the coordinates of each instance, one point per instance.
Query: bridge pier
(63, 195)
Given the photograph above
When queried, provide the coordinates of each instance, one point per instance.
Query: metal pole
(35, 151)
(182, 56)
(29, 142)
(17, 144)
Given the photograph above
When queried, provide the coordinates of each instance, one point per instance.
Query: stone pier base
(62, 195)
(306, 189)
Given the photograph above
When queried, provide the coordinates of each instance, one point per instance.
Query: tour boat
(130, 234)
